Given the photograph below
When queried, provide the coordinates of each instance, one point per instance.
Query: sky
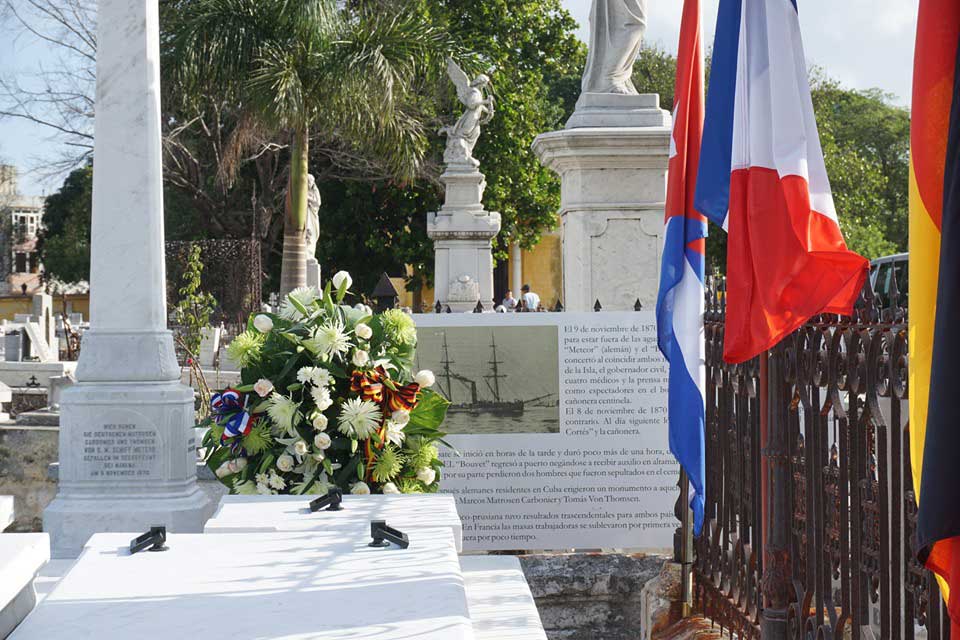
(861, 43)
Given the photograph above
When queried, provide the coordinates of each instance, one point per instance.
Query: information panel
(560, 422)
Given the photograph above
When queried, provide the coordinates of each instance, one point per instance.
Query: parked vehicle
(881, 271)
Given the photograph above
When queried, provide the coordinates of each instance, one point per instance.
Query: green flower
(245, 487)
(259, 438)
(420, 453)
(399, 326)
(409, 485)
(284, 412)
(246, 347)
(387, 465)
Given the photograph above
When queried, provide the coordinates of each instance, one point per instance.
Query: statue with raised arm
(616, 33)
(462, 136)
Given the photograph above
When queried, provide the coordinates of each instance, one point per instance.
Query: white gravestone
(612, 161)
(127, 448)
(317, 585)
(462, 231)
(292, 513)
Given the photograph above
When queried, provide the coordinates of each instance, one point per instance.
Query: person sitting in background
(509, 302)
(530, 300)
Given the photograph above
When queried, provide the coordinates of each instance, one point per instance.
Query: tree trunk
(293, 269)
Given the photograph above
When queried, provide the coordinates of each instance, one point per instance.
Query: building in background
(20, 220)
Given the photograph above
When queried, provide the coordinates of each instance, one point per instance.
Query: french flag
(680, 299)
(762, 178)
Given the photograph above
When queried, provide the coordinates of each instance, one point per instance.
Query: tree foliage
(64, 241)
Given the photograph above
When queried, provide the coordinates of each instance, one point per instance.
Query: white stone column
(462, 233)
(612, 161)
(127, 446)
(516, 269)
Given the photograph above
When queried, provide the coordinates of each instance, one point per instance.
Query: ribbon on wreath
(229, 407)
(371, 387)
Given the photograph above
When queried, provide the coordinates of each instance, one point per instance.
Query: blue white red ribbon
(229, 406)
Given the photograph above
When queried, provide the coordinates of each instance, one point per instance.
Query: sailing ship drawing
(492, 395)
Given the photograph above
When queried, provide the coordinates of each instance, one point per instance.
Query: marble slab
(6, 512)
(22, 555)
(317, 585)
(239, 514)
(499, 599)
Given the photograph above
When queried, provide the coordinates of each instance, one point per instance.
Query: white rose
(367, 311)
(360, 358)
(321, 441)
(364, 331)
(401, 417)
(390, 488)
(285, 463)
(301, 448)
(426, 476)
(263, 324)
(424, 378)
(341, 277)
(231, 467)
(360, 489)
(320, 422)
(263, 387)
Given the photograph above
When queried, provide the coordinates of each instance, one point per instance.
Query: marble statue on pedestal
(462, 230)
(312, 232)
(616, 33)
(462, 136)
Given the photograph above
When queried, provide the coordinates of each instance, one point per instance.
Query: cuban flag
(762, 178)
(680, 299)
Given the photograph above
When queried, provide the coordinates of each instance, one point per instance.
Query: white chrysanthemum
(276, 481)
(283, 411)
(320, 422)
(305, 374)
(359, 418)
(264, 489)
(284, 463)
(363, 331)
(360, 358)
(304, 295)
(322, 441)
(425, 378)
(328, 340)
(426, 476)
(261, 478)
(389, 488)
(360, 489)
(321, 377)
(395, 433)
(321, 397)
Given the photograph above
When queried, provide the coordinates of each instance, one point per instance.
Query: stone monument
(127, 449)
(612, 160)
(462, 230)
(313, 232)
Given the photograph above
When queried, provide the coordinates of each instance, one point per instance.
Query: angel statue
(462, 136)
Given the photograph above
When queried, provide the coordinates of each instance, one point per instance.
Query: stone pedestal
(462, 232)
(612, 199)
(127, 446)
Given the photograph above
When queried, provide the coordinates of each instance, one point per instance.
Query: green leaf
(296, 386)
(360, 470)
(328, 466)
(244, 388)
(298, 306)
(430, 412)
(353, 446)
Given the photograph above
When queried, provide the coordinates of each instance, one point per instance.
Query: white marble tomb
(408, 513)
(318, 585)
(22, 555)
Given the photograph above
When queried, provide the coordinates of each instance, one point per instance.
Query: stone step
(499, 600)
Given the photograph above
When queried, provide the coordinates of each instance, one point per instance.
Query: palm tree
(293, 67)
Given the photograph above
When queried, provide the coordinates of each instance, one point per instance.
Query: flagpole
(686, 547)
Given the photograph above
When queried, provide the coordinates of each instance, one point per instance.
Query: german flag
(935, 292)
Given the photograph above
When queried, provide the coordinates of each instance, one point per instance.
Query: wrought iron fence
(232, 273)
(835, 556)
